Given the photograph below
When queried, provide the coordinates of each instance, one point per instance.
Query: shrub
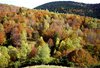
(16, 64)
(65, 62)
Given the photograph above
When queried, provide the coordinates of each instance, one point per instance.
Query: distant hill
(92, 10)
(8, 8)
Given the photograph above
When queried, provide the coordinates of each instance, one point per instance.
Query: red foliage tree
(2, 37)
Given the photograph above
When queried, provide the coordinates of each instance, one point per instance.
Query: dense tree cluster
(31, 37)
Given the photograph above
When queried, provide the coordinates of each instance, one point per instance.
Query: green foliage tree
(92, 25)
(25, 47)
(14, 53)
(43, 53)
(4, 57)
(3, 61)
(1, 27)
(70, 44)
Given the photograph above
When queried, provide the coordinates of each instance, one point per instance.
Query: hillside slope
(34, 37)
(83, 9)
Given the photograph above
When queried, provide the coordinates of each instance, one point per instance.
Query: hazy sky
(34, 3)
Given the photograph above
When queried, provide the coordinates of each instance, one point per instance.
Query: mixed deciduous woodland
(34, 37)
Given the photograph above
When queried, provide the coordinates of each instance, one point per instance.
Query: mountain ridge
(72, 7)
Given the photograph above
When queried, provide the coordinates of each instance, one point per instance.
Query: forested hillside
(35, 37)
(71, 7)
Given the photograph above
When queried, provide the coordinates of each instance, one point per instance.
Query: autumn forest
(34, 37)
